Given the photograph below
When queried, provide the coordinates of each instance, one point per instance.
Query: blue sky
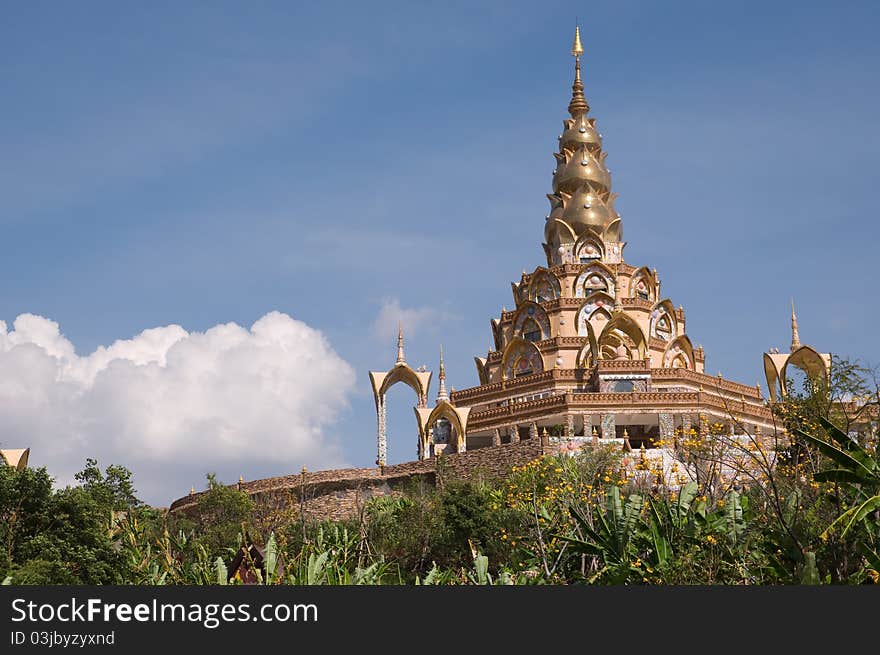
(175, 164)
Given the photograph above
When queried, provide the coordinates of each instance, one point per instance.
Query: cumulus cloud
(412, 319)
(171, 404)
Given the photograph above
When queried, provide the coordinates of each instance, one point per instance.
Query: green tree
(220, 516)
(56, 537)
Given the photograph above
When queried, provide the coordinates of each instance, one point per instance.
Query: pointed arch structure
(529, 318)
(427, 420)
(598, 304)
(589, 248)
(647, 287)
(614, 231)
(588, 355)
(586, 283)
(815, 365)
(663, 324)
(614, 336)
(17, 458)
(482, 373)
(521, 358)
(544, 286)
(497, 334)
(382, 381)
(679, 353)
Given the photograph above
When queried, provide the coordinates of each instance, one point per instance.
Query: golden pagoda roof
(582, 200)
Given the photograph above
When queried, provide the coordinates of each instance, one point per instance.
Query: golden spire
(795, 337)
(400, 357)
(577, 49)
(441, 392)
(578, 104)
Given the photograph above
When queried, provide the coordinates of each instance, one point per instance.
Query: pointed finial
(441, 392)
(795, 337)
(578, 104)
(577, 49)
(401, 359)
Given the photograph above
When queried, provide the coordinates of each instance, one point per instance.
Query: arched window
(589, 253)
(544, 287)
(664, 327)
(595, 283)
(531, 331)
(521, 358)
(642, 290)
(522, 367)
(543, 291)
(442, 431)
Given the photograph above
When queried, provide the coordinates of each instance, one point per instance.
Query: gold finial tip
(577, 49)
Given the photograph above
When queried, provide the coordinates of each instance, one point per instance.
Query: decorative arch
(402, 373)
(588, 355)
(497, 334)
(589, 248)
(622, 338)
(598, 306)
(544, 286)
(382, 381)
(531, 322)
(521, 358)
(558, 233)
(679, 354)
(17, 458)
(663, 324)
(771, 373)
(482, 373)
(814, 365)
(614, 231)
(642, 285)
(585, 284)
(430, 420)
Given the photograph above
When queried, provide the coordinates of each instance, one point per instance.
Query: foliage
(800, 506)
(59, 536)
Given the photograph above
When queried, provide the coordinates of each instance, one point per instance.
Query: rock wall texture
(340, 493)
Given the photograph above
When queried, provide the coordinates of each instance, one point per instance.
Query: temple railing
(693, 402)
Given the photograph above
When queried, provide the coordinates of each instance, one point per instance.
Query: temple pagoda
(592, 349)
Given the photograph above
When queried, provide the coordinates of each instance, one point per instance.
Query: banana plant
(856, 469)
(221, 572)
(611, 538)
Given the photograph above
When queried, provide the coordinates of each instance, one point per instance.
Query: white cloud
(412, 319)
(172, 405)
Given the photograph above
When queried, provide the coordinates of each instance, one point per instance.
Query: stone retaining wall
(337, 494)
